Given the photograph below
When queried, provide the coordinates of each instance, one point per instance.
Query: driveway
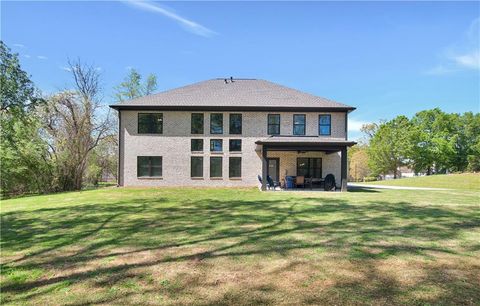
(360, 185)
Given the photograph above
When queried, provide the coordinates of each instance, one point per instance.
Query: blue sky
(385, 58)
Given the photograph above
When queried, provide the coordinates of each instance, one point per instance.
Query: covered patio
(307, 159)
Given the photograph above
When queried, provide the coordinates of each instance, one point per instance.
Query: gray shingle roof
(241, 93)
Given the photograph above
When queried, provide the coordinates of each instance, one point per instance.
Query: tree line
(62, 141)
(431, 142)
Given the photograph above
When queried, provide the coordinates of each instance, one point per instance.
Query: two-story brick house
(226, 132)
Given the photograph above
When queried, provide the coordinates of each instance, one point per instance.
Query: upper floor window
(235, 124)
(197, 123)
(216, 123)
(273, 124)
(197, 144)
(235, 145)
(149, 166)
(298, 124)
(216, 145)
(150, 123)
(324, 124)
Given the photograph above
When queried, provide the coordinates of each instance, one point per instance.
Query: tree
(17, 92)
(132, 86)
(358, 163)
(74, 125)
(24, 159)
(390, 146)
(435, 141)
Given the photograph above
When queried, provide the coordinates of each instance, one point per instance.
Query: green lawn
(241, 246)
(451, 181)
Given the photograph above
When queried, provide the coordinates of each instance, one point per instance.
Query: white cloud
(65, 68)
(42, 57)
(27, 56)
(440, 70)
(470, 60)
(355, 125)
(18, 45)
(189, 25)
(463, 54)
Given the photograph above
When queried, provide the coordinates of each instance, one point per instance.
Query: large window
(197, 144)
(149, 166)
(235, 145)
(273, 124)
(216, 145)
(324, 124)
(309, 167)
(235, 167)
(215, 167)
(298, 124)
(151, 123)
(196, 169)
(235, 124)
(216, 123)
(197, 123)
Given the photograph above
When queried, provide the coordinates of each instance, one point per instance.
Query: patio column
(264, 168)
(344, 164)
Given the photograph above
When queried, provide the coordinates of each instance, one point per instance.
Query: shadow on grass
(207, 228)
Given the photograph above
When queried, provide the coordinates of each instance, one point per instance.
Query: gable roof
(239, 94)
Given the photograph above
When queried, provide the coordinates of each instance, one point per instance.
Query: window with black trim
(309, 167)
(235, 167)
(216, 123)
(197, 144)
(235, 126)
(273, 127)
(197, 123)
(150, 123)
(235, 145)
(216, 145)
(299, 124)
(149, 166)
(196, 167)
(324, 124)
(216, 167)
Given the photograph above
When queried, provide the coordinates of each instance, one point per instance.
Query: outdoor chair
(300, 181)
(272, 183)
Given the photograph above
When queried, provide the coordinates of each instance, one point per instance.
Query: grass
(468, 181)
(241, 247)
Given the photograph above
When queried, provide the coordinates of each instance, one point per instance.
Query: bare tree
(75, 125)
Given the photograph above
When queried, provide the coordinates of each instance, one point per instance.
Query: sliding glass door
(309, 167)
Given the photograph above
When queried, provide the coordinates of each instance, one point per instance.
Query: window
(197, 124)
(324, 124)
(235, 145)
(215, 167)
(298, 124)
(196, 169)
(149, 166)
(197, 144)
(273, 124)
(150, 123)
(235, 124)
(309, 167)
(216, 145)
(216, 123)
(235, 167)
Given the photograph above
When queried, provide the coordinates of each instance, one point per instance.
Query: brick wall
(174, 147)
